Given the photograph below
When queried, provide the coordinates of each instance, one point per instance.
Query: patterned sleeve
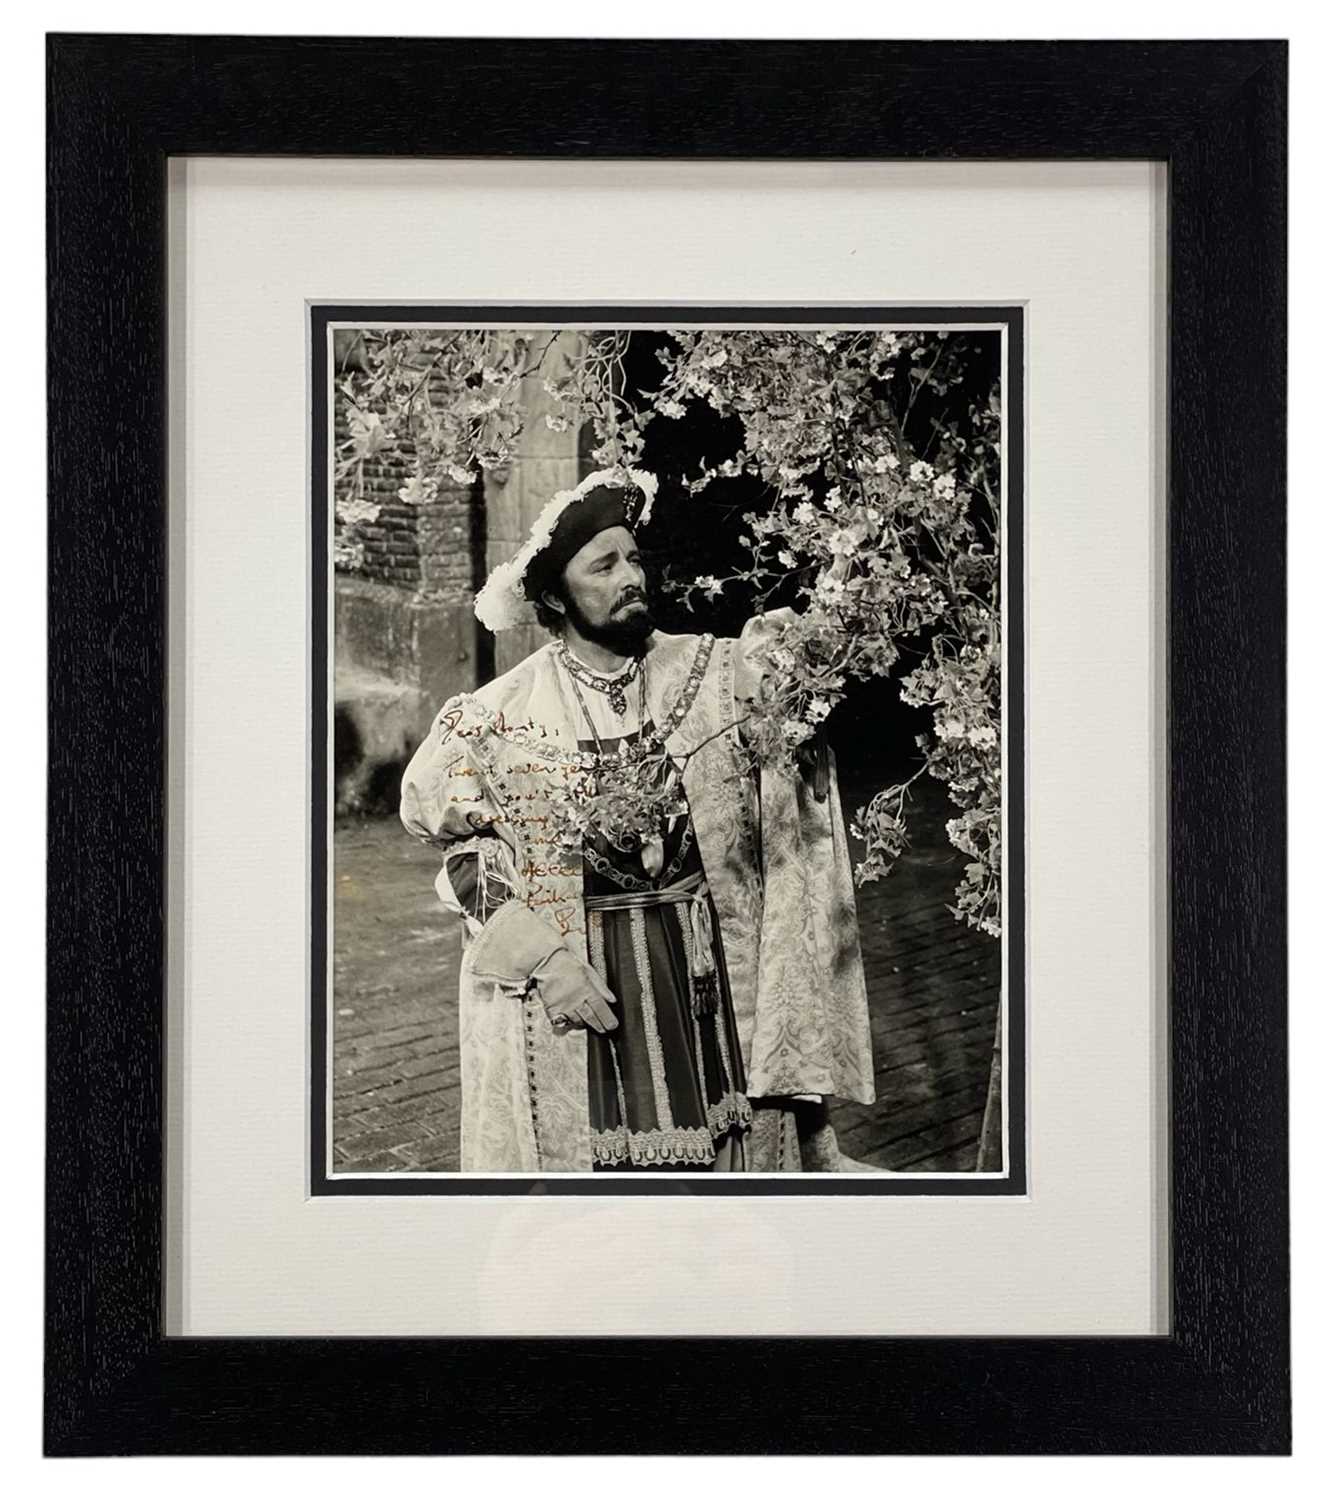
(445, 801)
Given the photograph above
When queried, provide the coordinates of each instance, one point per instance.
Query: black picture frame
(118, 107)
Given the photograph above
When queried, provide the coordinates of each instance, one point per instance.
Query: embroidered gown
(666, 1087)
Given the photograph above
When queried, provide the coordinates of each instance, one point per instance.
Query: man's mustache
(632, 596)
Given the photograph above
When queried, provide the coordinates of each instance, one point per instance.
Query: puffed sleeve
(751, 662)
(444, 796)
(445, 801)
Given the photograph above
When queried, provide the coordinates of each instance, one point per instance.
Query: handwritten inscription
(534, 870)
(451, 722)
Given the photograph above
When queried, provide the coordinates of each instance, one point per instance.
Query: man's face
(604, 591)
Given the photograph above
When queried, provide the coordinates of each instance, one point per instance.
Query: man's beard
(623, 637)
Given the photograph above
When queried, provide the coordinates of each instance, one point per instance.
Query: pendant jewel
(613, 688)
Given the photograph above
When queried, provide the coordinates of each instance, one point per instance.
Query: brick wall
(426, 549)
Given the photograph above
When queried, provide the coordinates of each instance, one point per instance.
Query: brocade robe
(484, 783)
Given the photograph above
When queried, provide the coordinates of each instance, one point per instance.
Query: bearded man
(661, 966)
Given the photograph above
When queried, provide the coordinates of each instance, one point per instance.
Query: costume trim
(594, 936)
(680, 1146)
(531, 1003)
(649, 1011)
(527, 737)
(691, 687)
(723, 1046)
(606, 868)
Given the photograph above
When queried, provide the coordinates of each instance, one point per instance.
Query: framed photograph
(669, 750)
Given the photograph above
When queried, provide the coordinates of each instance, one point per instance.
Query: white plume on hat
(501, 603)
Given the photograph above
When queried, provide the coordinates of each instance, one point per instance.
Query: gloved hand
(573, 994)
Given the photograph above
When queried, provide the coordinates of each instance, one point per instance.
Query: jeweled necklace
(613, 687)
(646, 746)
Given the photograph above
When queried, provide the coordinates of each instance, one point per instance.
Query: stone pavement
(933, 986)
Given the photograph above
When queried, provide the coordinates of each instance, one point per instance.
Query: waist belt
(690, 891)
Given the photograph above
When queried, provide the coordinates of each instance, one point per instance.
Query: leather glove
(517, 948)
(573, 994)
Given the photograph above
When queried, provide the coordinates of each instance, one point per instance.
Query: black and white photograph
(663, 751)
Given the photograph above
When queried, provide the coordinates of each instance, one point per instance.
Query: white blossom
(418, 491)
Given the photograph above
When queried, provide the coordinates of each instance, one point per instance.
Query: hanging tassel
(704, 994)
(704, 980)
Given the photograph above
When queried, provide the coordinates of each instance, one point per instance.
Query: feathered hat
(607, 497)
